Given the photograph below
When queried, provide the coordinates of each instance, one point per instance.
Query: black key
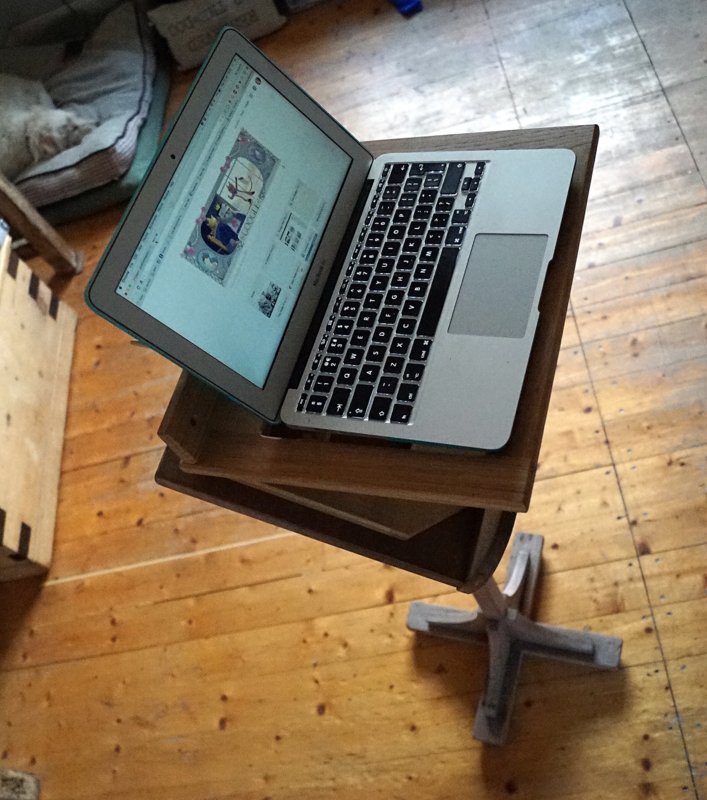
(429, 254)
(379, 224)
(368, 257)
(407, 393)
(362, 274)
(374, 240)
(301, 402)
(428, 196)
(391, 248)
(470, 200)
(452, 178)
(369, 373)
(439, 220)
(356, 291)
(316, 404)
(354, 356)
(407, 200)
(382, 334)
(402, 215)
(391, 193)
(433, 180)
(330, 364)
(308, 383)
(376, 352)
(412, 184)
(400, 280)
(347, 376)
(337, 345)
(406, 326)
(406, 261)
(438, 291)
(379, 283)
(379, 409)
(397, 173)
(387, 385)
(424, 272)
(400, 345)
(360, 337)
(385, 266)
(349, 308)
(417, 227)
(343, 327)
(412, 245)
(394, 297)
(394, 365)
(420, 349)
(414, 372)
(412, 308)
(338, 402)
(461, 216)
(386, 209)
(401, 413)
(372, 301)
(396, 231)
(422, 212)
(479, 170)
(474, 184)
(455, 235)
(445, 204)
(323, 383)
(359, 401)
(388, 315)
(366, 319)
(417, 289)
(435, 236)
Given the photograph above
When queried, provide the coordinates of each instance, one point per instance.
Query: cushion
(190, 26)
(109, 81)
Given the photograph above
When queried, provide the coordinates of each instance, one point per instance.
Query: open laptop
(268, 253)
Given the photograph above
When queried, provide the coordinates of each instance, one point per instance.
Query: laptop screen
(224, 257)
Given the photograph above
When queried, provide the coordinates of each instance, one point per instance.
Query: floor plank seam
(632, 533)
(667, 100)
(81, 576)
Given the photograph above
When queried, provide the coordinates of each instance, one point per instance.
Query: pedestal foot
(503, 619)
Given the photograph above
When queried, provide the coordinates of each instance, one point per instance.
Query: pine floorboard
(178, 650)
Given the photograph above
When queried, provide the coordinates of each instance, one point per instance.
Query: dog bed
(111, 80)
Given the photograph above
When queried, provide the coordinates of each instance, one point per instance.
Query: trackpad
(497, 291)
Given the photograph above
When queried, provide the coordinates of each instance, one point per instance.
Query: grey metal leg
(502, 618)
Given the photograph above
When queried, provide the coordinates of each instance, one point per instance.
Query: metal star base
(503, 619)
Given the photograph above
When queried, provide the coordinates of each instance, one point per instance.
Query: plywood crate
(36, 348)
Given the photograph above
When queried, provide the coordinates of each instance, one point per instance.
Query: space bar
(438, 291)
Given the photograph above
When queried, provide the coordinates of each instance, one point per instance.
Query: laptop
(271, 255)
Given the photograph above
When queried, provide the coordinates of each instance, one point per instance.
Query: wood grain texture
(37, 343)
(180, 650)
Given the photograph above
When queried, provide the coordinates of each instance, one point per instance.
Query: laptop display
(208, 265)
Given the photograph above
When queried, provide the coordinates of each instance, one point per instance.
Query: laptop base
(503, 620)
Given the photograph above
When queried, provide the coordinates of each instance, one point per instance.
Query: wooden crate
(36, 348)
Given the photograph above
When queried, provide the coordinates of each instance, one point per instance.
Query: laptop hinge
(330, 284)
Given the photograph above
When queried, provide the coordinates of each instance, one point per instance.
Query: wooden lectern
(443, 513)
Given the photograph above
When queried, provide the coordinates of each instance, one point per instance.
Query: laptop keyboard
(370, 362)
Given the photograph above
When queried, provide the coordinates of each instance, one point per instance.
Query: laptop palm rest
(498, 288)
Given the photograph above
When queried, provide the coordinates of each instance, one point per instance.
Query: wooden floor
(178, 651)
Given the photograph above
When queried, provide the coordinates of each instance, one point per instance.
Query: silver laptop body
(255, 255)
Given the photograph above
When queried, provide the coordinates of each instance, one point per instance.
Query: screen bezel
(101, 293)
